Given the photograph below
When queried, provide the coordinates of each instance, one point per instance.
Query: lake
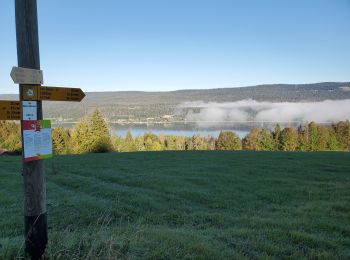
(181, 128)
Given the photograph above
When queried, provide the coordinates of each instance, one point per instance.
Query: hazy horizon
(180, 89)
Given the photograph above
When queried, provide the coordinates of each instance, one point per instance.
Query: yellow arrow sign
(52, 93)
(10, 110)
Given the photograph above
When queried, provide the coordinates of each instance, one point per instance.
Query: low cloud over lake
(251, 110)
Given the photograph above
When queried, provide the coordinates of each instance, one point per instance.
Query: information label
(29, 109)
(37, 140)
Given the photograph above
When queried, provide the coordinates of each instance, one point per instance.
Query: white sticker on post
(29, 110)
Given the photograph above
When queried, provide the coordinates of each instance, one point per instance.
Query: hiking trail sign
(32, 92)
(10, 110)
(26, 76)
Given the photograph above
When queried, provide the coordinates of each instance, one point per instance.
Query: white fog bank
(251, 110)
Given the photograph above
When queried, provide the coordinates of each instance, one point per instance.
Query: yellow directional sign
(26, 76)
(10, 110)
(32, 92)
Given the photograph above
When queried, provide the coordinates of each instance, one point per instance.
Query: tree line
(92, 135)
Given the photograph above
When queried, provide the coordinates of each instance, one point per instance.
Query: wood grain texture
(28, 57)
(34, 188)
(35, 216)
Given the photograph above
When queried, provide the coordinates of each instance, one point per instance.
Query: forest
(92, 135)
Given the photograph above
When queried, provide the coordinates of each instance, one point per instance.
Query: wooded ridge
(139, 105)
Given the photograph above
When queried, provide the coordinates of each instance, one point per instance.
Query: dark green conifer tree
(91, 134)
(60, 140)
(276, 134)
(228, 140)
(99, 133)
(313, 137)
(81, 141)
(289, 139)
(266, 140)
(252, 140)
(342, 132)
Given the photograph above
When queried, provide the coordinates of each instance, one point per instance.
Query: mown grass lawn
(202, 205)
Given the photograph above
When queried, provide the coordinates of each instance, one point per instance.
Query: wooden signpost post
(29, 110)
(35, 214)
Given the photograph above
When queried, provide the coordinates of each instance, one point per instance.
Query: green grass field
(202, 205)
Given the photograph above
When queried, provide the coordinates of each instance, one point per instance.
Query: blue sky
(152, 45)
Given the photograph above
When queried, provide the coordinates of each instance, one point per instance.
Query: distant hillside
(138, 105)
